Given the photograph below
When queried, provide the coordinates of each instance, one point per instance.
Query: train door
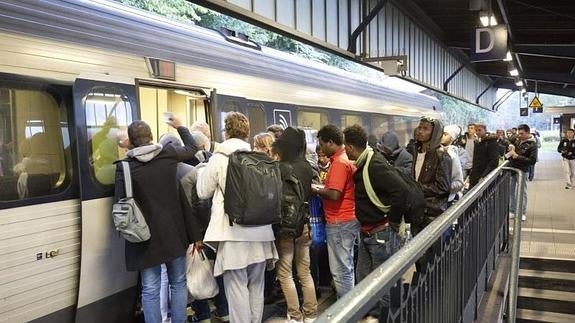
(190, 105)
(103, 108)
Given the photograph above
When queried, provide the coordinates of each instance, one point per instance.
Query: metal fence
(465, 240)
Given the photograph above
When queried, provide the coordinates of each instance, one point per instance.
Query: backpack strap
(127, 179)
(369, 189)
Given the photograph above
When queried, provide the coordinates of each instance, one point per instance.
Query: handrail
(516, 247)
(365, 294)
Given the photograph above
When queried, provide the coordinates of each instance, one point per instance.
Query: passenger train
(73, 75)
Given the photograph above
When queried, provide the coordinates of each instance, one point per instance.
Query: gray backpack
(128, 217)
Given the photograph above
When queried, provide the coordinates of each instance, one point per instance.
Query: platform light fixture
(514, 72)
(487, 19)
(519, 83)
(508, 57)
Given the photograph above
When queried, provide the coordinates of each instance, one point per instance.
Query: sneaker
(369, 319)
(523, 217)
(221, 318)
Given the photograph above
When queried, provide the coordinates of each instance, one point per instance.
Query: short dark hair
(139, 133)
(331, 132)
(524, 127)
(356, 136)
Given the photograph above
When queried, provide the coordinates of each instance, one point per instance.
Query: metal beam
(503, 12)
(446, 82)
(547, 50)
(352, 44)
(501, 100)
(491, 84)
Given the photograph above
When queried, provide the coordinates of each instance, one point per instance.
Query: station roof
(541, 38)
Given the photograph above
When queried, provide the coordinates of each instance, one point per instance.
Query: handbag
(128, 218)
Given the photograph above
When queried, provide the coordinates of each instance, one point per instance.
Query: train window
(108, 114)
(404, 127)
(351, 119)
(228, 106)
(312, 119)
(34, 144)
(379, 125)
(257, 117)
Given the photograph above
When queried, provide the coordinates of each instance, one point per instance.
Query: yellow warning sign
(535, 103)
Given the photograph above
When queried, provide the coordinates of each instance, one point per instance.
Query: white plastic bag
(200, 276)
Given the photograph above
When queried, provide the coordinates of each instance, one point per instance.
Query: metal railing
(451, 286)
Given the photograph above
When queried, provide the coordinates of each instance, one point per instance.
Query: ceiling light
(484, 20)
(493, 21)
(514, 72)
(519, 83)
(523, 90)
(487, 19)
(508, 57)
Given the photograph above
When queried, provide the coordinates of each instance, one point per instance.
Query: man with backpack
(293, 238)
(382, 198)
(342, 228)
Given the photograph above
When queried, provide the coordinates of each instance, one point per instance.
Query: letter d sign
(490, 36)
(488, 43)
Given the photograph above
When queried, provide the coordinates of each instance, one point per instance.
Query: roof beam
(546, 50)
(505, 17)
(352, 44)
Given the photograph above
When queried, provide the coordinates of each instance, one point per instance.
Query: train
(74, 74)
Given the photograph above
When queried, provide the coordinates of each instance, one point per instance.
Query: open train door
(103, 108)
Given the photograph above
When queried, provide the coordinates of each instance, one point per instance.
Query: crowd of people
(369, 191)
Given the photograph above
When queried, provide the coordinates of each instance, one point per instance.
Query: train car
(73, 75)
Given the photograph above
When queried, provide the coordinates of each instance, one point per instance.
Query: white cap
(453, 130)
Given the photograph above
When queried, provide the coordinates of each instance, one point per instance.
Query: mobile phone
(168, 116)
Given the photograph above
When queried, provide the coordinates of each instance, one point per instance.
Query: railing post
(516, 246)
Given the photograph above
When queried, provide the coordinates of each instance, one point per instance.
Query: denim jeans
(373, 251)
(151, 278)
(512, 195)
(165, 295)
(341, 239)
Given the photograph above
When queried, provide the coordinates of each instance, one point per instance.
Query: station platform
(549, 231)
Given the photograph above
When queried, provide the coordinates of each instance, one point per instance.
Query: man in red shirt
(338, 196)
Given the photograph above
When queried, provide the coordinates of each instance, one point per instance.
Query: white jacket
(457, 180)
(212, 183)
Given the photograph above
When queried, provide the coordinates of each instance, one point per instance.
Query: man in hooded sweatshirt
(432, 168)
(153, 170)
(394, 153)
(295, 252)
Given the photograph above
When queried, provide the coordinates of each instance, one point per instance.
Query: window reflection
(108, 114)
(34, 144)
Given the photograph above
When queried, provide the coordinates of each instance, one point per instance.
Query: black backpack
(294, 207)
(253, 189)
(414, 212)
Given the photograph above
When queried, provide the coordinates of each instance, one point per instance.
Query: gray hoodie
(399, 157)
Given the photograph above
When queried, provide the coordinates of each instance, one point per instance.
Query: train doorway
(157, 103)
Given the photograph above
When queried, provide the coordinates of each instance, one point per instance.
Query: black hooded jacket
(485, 158)
(527, 151)
(387, 185)
(291, 146)
(435, 175)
